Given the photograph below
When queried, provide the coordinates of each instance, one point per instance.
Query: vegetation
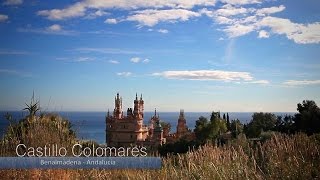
(210, 130)
(260, 122)
(291, 153)
(34, 131)
(178, 147)
(281, 157)
(165, 125)
(236, 128)
(307, 120)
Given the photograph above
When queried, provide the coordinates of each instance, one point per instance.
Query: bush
(46, 129)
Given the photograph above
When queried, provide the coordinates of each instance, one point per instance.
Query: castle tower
(117, 113)
(141, 106)
(108, 113)
(138, 107)
(158, 134)
(181, 127)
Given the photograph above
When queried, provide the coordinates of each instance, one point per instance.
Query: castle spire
(181, 113)
(155, 112)
(141, 97)
(118, 106)
(136, 96)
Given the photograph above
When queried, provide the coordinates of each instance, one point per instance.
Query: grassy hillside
(34, 131)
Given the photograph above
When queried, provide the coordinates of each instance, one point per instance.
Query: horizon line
(159, 111)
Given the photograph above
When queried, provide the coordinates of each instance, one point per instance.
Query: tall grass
(281, 157)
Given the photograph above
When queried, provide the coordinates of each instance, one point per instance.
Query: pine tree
(228, 122)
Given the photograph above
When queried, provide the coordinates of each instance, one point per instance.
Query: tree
(216, 128)
(261, 122)
(308, 118)
(236, 127)
(228, 122)
(209, 131)
(214, 116)
(201, 129)
(285, 124)
(180, 146)
(165, 125)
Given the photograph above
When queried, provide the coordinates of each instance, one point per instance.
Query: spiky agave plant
(32, 108)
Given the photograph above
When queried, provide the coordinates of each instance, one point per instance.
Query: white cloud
(100, 13)
(135, 59)
(50, 30)
(259, 82)
(270, 10)
(151, 17)
(96, 14)
(76, 10)
(136, 4)
(230, 11)
(248, 20)
(234, 16)
(105, 50)
(111, 21)
(126, 74)
(79, 9)
(138, 60)
(242, 21)
(114, 62)
(223, 20)
(55, 27)
(80, 59)
(206, 75)
(146, 60)
(301, 82)
(299, 33)
(3, 18)
(164, 31)
(207, 12)
(238, 30)
(83, 59)
(230, 15)
(238, 20)
(241, 2)
(263, 34)
(13, 2)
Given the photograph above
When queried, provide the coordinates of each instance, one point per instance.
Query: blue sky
(202, 55)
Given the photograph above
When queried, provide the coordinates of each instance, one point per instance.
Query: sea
(91, 125)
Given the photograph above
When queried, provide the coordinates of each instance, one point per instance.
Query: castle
(130, 130)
